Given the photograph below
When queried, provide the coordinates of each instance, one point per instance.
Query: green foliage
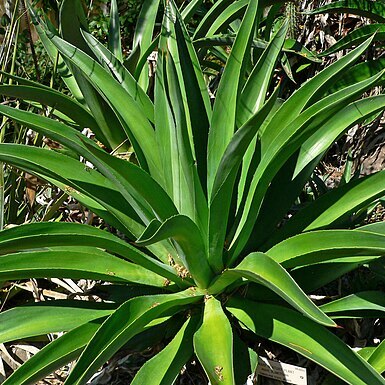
(204, 207)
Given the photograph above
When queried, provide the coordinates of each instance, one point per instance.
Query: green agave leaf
(289, 46)
(244, 360)
(124, 77)
(362, 304)
(366, 352)
(26, 82)
(211, 16)
(311, 340)
(196, 99)
(225, 106)
(225, 181)
(165, 367)
(222, 21)
(377, 228)
(75, 263)
(127, 321)
(144, 33)
(45, 234)
(86, 185)
(296, 172)
(252, 98)
(140, 190)
(304, 96)
(190, 9)
(321, 140)
(313, 277)
(254, 92)
(294, 46)
(49, 97)
(357, 36)
(213, 344)
(374, 10)
(275, 205)
(260, 268)
(178, 124)
(72, 20)
(49, 317)
(323, 245)
(53, 356)
(360, 72)
(335, 206)
(189, 242)
(120, 293)
(114, 40)
(133, 182)
(286, 143)
(53, 53)
(137, 126)
(377, 358)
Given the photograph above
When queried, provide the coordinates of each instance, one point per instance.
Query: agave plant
(206, 245)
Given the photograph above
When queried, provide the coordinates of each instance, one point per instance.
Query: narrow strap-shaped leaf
(254, 92)
(86, 185)
(49, 317)
(266, 224)
(302, 335)
(144, 33)
(121, 73)
(190, 9)
(72, 20)
(70, 138)
(313, 277)
(294, 46)
(126, 322)
(233, 11)
(253, 97)
(260, 268)
(168, 363)
(225, 106)
(362, 304)
(324, 245)
(213, 13)
(139, 189)
(190, 245)
(136, 124)
(213, 344)
(302, 164)
(374, 10)
(53, 53)
(225, 181)
(49, 97)
(75, 263)
(114, 39)
(37, 235)
(376, 227)
(53, 356)
(290, 45)
(321, 140)
(308, 92)
(335, 206)
(360, 72)
(186, 119)
(357, 36)
(27, 82)
(377, 358)
(286, 143)
(133, 181)
(193, 87)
